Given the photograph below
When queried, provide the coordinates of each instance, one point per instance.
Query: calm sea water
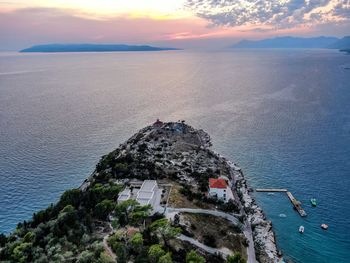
(283, 116)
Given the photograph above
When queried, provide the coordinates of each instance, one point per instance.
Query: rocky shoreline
(263, 235)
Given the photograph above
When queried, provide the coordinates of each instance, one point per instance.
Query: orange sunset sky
(177, 23)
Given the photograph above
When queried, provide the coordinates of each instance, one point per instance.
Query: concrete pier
(296, 204)
(294, 201)
(271, 190)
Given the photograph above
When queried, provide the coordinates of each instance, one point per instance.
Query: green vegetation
(144, 246)
(193, 257)
(236, 258)
(64, 232)
(163, 229)
(68, 231)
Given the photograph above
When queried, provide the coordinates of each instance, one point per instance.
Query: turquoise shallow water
(283, 116)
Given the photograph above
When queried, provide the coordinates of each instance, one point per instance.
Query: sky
(175, 23)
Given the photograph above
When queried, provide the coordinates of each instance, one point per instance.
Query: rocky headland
(181, 153)
(179, 158)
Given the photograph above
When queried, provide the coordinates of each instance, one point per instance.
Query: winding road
(227, 216)
(247, 230)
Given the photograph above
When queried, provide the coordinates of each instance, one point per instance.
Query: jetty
(271, 190)
(294, 201)
(296, 204)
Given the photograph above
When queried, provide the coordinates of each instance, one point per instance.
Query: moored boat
(313, 201)
(324, 226)
(301, 229)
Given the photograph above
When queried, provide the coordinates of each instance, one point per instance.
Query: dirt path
(107, 247)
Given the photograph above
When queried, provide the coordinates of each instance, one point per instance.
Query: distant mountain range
(343, 43)
(51, 48)
(296, 42)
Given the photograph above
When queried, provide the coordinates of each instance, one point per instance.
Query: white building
(220, 189)
(147, 194)
(124, 195)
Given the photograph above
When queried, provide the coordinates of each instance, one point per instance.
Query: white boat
(301, 229)
(324, 226)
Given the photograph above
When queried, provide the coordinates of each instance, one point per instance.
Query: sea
(282, 115)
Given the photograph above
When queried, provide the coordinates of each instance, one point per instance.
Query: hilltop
(52, 48)
(149, 201)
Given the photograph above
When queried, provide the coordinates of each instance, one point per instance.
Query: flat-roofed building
(147, 194)
(124, 195)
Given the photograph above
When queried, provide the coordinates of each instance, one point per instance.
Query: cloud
(273, 14)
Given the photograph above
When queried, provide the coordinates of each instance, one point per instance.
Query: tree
(22, 252)
(67, 219)
(155, 252)
(130, 211)
(123, 209)
(235, 258)
(105, 258)
(163, 228)
(29, 237)
(3, 240)
(165, 259)
(193, 257)
(70, 197)
(103, 209)
(136, 242)
(139, 214)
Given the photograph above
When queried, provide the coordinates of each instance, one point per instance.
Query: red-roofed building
(217, 183)
(158, 123)
(218, 188)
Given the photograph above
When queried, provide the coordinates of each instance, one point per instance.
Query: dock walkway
(294, 201)
(296, 204)
(271, 190)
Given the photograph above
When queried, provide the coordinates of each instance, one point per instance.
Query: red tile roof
(217, 183)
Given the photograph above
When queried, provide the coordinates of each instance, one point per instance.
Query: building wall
(218, 192)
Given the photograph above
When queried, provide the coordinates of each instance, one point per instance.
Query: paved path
(195, 242)
(250, 249)
(247, 231)
(227, 216)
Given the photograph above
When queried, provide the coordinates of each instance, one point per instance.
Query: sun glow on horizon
(155, 9)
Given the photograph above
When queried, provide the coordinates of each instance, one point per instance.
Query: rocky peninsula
(148, 201)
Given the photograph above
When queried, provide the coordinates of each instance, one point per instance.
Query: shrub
(193, 257)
